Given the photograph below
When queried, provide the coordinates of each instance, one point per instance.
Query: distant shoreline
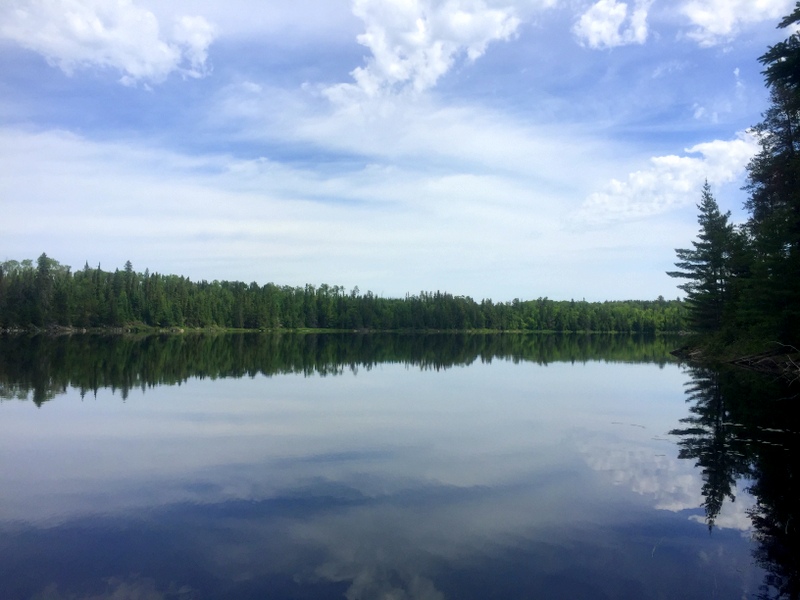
(149, 330)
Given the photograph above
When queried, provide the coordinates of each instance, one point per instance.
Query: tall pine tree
(774, 187)
(708, 266)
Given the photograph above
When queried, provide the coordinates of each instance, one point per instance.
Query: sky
(490, 148)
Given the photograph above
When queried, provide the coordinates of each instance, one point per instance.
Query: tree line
(48, 294)
(743, 281)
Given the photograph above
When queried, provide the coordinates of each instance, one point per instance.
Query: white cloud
(718, 21)
(392, 130)
(670, 181)
(392, 228)
(472, 182)
(115, 34)
(414, 42)
(601, 26)
(194, 35)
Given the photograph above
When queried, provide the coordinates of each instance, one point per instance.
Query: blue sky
(496, 149)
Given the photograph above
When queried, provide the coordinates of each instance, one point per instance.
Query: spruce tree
(707, 266)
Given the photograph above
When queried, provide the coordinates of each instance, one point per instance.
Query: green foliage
(745, 284)
(782, 60)
(708, 266)
(774, 186)
(50, 295)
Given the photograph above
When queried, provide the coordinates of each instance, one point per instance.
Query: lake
(441, 466)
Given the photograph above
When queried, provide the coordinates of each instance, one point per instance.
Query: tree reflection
(41, 367)
(711, 439)
(744, 426)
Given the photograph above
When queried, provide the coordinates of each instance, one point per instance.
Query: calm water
(391, 467)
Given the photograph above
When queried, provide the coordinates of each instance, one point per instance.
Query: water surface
(385, 466)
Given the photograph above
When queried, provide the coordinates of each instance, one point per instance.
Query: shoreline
(58, 330)
(781, 361)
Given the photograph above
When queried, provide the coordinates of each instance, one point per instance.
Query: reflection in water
(711, 439)
(46, 365)
(745, 426)
(545, 474)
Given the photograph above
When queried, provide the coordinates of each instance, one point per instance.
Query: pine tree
(774, 187)
(707, 266)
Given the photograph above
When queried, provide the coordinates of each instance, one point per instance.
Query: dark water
(392, 467)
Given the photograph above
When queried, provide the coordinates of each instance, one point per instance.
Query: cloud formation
(718, 21)
(117, 34)
(389, 186)
(670, 181)
(607, 24)
(414, 42)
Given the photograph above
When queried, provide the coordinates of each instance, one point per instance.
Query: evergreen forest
(743, 280)
(47, 294)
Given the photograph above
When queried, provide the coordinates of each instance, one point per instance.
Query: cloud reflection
(652, 469)
(394, 484)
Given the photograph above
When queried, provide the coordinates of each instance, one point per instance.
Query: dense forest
(48, 294)
(743, 281)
